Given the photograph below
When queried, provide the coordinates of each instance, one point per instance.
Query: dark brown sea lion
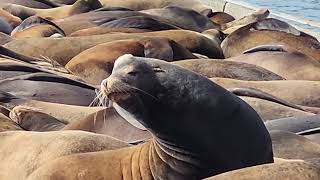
(14, 21)
(270, 31)
(304, 93)
(145, 4)
(36, 26)
(184, 18)
(96, 63)
(104, 30)
(78, 7)
(176, 123)
(41, 4)
(282, 60)
(64, 49)
(49, 87)
(228, 69)
(26, 151)
(218, 17)
(288, 170)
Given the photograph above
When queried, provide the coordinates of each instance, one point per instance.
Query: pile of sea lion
(161, 89)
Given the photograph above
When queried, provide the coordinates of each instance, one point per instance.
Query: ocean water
(302, 10)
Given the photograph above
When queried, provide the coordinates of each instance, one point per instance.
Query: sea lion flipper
(268, 47)
(276, 25)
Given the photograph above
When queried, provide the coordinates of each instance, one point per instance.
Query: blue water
(304, 9)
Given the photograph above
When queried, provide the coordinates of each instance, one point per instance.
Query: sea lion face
(133, 86)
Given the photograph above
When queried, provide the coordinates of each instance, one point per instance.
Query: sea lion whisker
(93, 103)
(144, 92)
(104, 117)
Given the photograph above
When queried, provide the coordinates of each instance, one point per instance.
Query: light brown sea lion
(26, 151)
(4, 38)
(282, 60)
(304, 93)
(104, 30)
(63, 112)
(145, 4)
(78, 7)
(256, 16)
(177, 124)
(269, 110)
(288, 145)
(96, 63)
(270, 31)
(6, 124)
(14, 21)
(64, 49)
(106, 121)
(228, 69)
(287, 170)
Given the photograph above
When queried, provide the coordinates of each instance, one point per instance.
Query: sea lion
(294, 124)
(64, 49)
(184, 18)
(104, 30)
(291, 146)
(32, 120)
(106, 121)
(96, 63)
(270, 31)
(26, 151)
(288, 170)
(269, 110)
(304, 93)
(256, 16)
(282, 60)
(62, 112)
(36, 26)
(14, 21)
(228, 69)
(49, 87)
(41, 4)
(4, 38)
(176, 123)
(218, 17)
(145, 4)
(78, 7)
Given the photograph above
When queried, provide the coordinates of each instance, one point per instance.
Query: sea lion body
(96, 63)
(298, 92)
(228, 69)
(286, 62)
(270, 31)
(151, 159)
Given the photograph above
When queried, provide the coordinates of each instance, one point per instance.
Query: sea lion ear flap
(276, 25)
(207, 12)
(159, 48)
